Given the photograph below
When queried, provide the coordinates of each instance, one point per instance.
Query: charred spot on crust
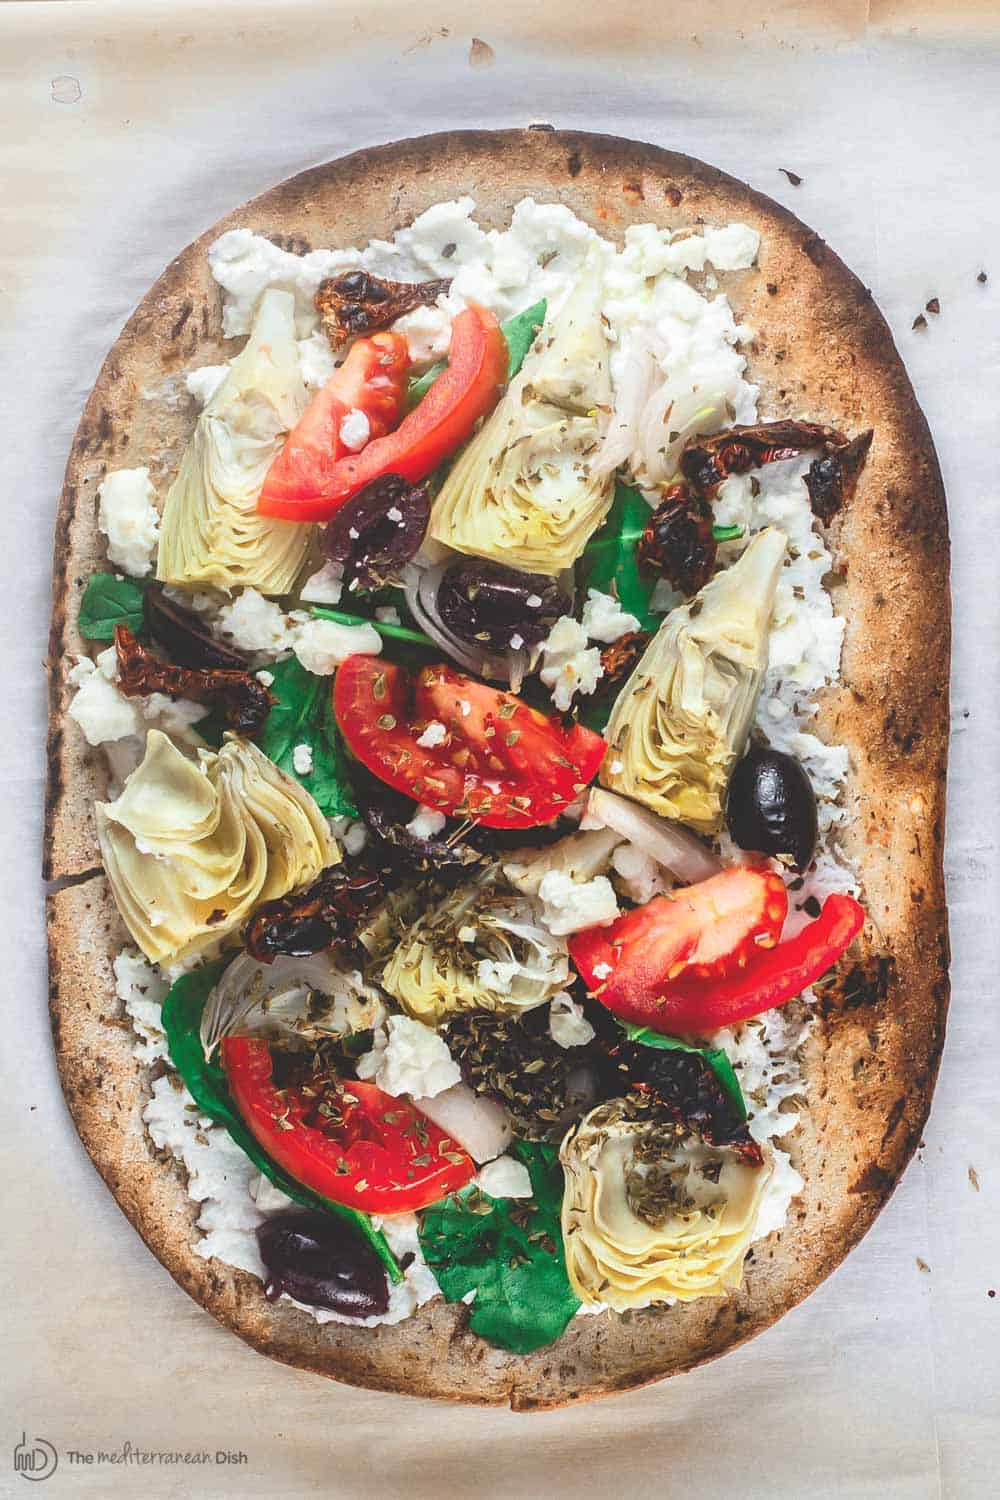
(243, 701)
(864, 983)
(360, 303)
(574, 163)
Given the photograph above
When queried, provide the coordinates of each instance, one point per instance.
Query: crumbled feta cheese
(732, 248)
(616, 767)
(253, 623)
(142, 990)
(516, 642)
(601, 971)
(568, 1026)
(534, 601)
(466, 934)
(434, 734)
(316, 360)
(353, 834)
(325, 586)
(302, 760)
(265, 678)
(355, 430)
(173, 715)
(504, 1178)
(387, 614)
(640, 876)
(568, 666)
(129, 519)
(101, 711)
(604, 619)
(465, 707)
(426, 823)
(571, 905)
(202, 384)
(321, 645)
(408, 1057)
(394, 514)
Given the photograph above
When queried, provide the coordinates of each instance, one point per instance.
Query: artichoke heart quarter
(523, 491)
(653, 1214)
(190, 847)
(211, 532)
(481, 948)
(682, 720)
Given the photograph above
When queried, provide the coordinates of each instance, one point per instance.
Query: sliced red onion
(479, 1124)
(670, 844)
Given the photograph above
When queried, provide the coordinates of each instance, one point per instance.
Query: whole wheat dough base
(822, 351)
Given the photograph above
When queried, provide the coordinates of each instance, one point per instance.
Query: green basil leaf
(206, 1083)
(109, 601)
(510, 1252)
(715, 1057)
(727, 533)
(303, 715)
(609, 561)
(519, 331)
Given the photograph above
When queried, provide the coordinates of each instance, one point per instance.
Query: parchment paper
(125, 130)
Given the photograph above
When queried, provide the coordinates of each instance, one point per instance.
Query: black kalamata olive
(183, 636)
(377, 532)
(319, 1260)
(771, 806)
(492, 605)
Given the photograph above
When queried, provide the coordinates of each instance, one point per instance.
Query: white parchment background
(164, 116)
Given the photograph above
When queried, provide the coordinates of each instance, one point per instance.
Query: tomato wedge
(733, 969)
(346, 1140)
(485, 753)
(465, 391)
(372, 380)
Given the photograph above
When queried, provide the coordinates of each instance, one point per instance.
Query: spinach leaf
(609, 561)
(303, 715)
(109, 601)
(726, 533)
(206, 1083)
(715, 1057)
(404, 633)
(510, 1252)
(519, 331)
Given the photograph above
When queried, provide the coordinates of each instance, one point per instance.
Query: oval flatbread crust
(822, 351)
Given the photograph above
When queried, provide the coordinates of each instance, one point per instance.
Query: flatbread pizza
(498, 721)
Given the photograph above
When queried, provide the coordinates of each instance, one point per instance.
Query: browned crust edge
(823, 350)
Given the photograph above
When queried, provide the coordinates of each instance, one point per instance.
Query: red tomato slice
(493, 757)
(374, 1153)
(686, 997)
(712, 928)
(372, 379)
(465, 391)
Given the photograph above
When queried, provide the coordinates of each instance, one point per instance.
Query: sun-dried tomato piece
(243, 701)
(619, 660)
(358, 302)
(309, 921)
(831, 479)
(678, 541)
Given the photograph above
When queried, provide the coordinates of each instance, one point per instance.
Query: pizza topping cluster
(455, 1003)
